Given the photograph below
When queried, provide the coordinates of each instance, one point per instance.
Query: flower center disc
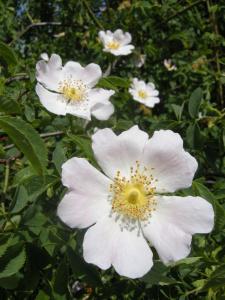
(133, 197)
(114, 45)
(73, 90)
(142, 94)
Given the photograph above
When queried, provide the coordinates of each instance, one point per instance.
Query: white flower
(140, 60)
(127, 207)
(117, 43)
(44, 56)
(69, 89)
(168, 65)
(144, 93)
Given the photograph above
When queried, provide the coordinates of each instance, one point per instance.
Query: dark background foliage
(39, 257)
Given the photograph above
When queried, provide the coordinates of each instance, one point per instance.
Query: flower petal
(99, 95)
(151, 101)
(90, 75)
(173, 167)
(56, 104)
(87, 200)
(105, 244)
(103, 111)
(105, 37)
(120, 152)
(81, 209)
(123, 38)
(79, 175)
(174, 221)
(123, 50)
(193, 214)
(50, 73)
(53, 102)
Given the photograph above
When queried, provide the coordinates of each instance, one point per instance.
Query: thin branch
(96, 21)
(51, 134)
(38, 24)
(44, 135)
(17, 78)
(183, 10)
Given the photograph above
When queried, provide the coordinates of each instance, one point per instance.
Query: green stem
(6, 181)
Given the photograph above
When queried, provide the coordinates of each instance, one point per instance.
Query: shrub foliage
(40, 258)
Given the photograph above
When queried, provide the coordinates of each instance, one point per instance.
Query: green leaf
(195, 139)
(59, 157)
(61, 278)
(27, 140)
(157, 274)
(201, 190)
(187, 261)
(22, 199)
(10, 282)
(14, 265)
(81, 268)
(7, 242)
(9, 106)
(85, 145)
(113, 82)
(217, 278)
(220, 217)
(42, 296)
(194, 102)
(7, 54)
(37, 185)
(178, 109)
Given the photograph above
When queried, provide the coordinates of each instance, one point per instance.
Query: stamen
(133, 198)
(73, 90)
(114, 45)
(142, 94)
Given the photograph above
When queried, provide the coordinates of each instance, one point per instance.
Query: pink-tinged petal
(90, 74)
(172, 166)
(50, 73)
(118, 153)
(105, 245)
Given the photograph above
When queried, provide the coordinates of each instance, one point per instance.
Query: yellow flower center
(73, 90)
(142, 94)
(134, 197)
(114, 45)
